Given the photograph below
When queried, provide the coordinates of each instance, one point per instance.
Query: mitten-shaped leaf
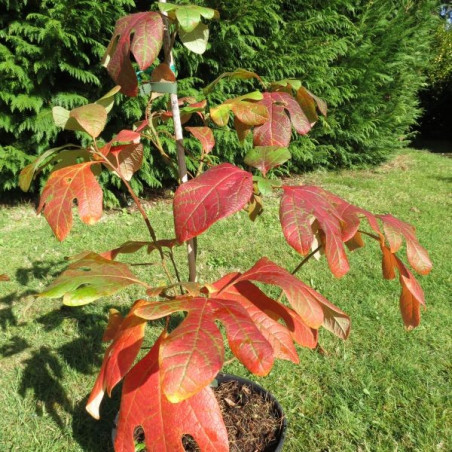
(264, 158)
(90, 278)
(142, 35)
(277, 130)
(125, 153)
(62, 187)
(188, 16)
(193, 353)
(300, 206)
(205, 136)
(144, 404)
(215, 194)
(119, 356)
(395, 230)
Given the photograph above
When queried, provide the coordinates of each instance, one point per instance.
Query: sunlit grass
(383, 389)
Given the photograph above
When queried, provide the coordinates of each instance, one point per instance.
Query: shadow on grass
(84, 353)
(95, 435)
(7, 317)
(40, 270)
(43, 374)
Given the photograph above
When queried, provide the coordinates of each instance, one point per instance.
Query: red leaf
(141, 34)
(299, 294)
(261, 310)
(119, 356)
(300, 206)
(193, 353)
(144, 404)
(216, 194)
(277, 130)
(395, 230)
(62, 187)
(205, 136)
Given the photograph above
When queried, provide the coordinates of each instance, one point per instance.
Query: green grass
(383, 389)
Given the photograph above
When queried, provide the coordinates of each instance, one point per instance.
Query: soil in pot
(253, 422)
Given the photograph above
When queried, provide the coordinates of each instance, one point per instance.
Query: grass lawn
(384, 389)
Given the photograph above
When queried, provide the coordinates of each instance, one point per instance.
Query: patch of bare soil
(252, 421)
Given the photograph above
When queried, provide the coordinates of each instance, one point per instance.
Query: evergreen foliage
(49, 55)
(366, 59)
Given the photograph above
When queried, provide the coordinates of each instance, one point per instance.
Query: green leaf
(107, 100)
(265, 158)
(90, 278)
(237, 74)
(62, 119)
(265, 186)
(220, 114)
(27, 174)
(92, 118)
(197, 39)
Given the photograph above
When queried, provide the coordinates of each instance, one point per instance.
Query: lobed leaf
(196, 40)
(144, 404)
(300, 298)
(193, 353)
(62, 187)
(140, 34)
(215, 194)
(90, 278)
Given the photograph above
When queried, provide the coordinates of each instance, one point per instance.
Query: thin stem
(183, 175)
(140, 208)
(369, 234)
(297, 268)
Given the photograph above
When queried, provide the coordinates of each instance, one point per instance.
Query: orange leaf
(395, 230)
(205, 136)
(65, 185)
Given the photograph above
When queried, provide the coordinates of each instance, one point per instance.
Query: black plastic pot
(224, 378)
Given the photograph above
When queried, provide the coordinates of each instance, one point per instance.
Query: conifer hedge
(367, 59)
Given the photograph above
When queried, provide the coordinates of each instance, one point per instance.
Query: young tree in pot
(167, 392)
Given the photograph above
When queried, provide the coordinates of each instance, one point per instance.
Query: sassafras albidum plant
(167, 392)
